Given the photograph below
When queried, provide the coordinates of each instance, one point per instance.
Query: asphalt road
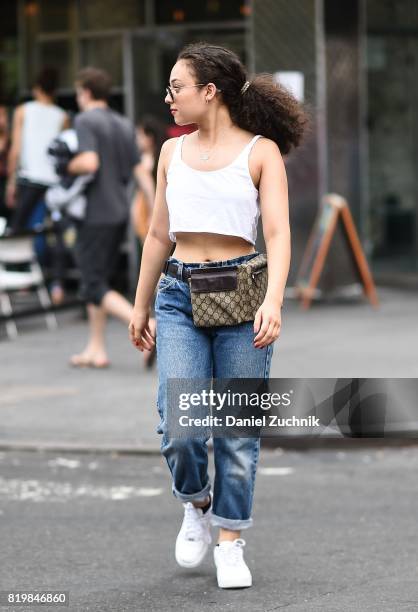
(334, 531)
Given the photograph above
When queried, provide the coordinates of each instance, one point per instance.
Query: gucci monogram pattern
(235, 306)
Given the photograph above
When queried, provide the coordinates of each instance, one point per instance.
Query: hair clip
(245, 87)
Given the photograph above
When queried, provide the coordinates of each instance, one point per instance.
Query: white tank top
(221, 201)
(41, 124)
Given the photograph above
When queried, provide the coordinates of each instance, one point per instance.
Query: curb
(300, 445)
(84, 450)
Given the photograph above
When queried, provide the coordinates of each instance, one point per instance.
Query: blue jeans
(187, 351)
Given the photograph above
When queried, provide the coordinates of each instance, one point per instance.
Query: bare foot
(89, 360)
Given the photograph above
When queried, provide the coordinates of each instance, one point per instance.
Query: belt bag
(228, 295)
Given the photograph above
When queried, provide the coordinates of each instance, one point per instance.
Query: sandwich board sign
(334, 208)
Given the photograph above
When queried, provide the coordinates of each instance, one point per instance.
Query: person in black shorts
(107, 148)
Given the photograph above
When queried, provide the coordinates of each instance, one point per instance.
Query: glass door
(393, 141)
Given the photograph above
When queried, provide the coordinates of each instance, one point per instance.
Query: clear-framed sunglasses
(177, 88)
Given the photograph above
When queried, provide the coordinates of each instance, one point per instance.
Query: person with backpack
(35, 124)
(107, 149)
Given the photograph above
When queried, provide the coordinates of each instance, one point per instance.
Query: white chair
(19, 250)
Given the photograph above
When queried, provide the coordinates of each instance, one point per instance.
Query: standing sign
(333, 208)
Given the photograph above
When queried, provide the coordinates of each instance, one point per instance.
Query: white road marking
(62, 462)
(275, 471)
(49, 491)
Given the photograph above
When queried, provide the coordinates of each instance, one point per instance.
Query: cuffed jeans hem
(232, 524)
(188, 497)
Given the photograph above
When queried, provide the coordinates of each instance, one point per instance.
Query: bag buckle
(256, 272)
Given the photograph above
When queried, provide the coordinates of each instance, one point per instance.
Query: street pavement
(334, 531)
(85, 499)
(46, 404)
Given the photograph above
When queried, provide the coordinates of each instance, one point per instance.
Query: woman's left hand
(267, 323)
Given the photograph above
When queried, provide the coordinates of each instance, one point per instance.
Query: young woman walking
(212, 185)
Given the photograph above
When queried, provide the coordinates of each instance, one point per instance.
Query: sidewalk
(46, 404)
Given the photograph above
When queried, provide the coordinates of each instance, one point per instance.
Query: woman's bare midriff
(204, 247)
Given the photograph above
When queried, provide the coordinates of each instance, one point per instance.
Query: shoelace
(192, 525)
(233, 554)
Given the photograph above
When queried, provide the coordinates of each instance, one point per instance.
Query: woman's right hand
(140, 333)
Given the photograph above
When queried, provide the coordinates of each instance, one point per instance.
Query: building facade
(359, 62)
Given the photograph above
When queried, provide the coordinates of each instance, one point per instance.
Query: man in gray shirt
(108, 149)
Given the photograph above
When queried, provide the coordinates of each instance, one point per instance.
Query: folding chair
(19, 251)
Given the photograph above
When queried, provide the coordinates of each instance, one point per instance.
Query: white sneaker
(232, 571)
(194, 536)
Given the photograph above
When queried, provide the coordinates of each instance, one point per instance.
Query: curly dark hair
(265, 107)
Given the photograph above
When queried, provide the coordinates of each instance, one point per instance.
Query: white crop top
(221, 201)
